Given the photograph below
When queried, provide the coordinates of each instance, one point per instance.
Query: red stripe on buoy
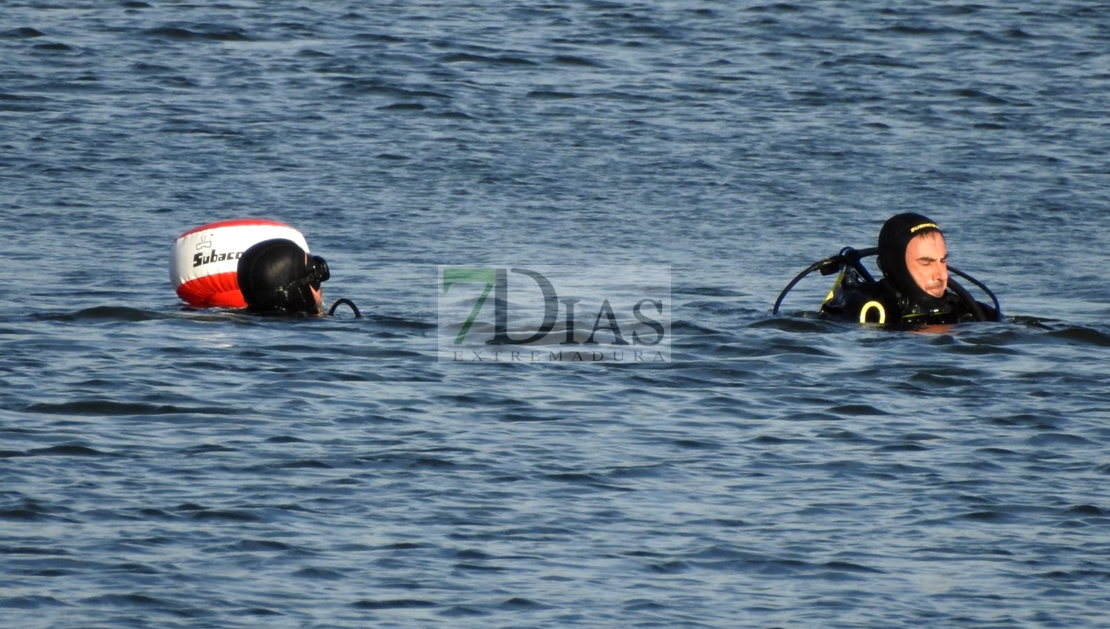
(220, 290)
(235, 222)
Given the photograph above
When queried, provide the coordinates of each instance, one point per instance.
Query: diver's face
(317, 291)
(927, 261)
(318, 294)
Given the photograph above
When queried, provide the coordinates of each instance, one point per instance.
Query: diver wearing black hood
(278, 277)
(915, 289)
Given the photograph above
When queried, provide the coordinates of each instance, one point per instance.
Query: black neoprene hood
(272, 277)
(894, 237)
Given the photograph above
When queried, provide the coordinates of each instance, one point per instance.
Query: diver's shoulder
(861, 302)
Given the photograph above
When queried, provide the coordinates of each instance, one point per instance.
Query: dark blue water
(165, 467)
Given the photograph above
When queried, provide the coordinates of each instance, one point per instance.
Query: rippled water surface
(168, 467)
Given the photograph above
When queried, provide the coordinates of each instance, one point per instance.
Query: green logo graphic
(470, 276)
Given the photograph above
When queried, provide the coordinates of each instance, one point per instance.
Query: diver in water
(915, 289)
(278, 277)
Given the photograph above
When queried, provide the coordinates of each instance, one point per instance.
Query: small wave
(110, 407)
(198, 32)
(21, 514)
(152, 68)
(102, 313)
(31, 550)
(848, 566)
(256, 545)
(1082, 336)
(726, 558)
(302, 464)
(518, 602)
(23, 32)
(207, 448)
(127, 600)
(1087, 510)
(55, 47)
(578, 478)
(869, 60)
(66, 450)
(778, 7)
(918, 30)
(379, 38)
(504, 60)
(979, 95)
(394, 603)
(228, 515)
(134, 568)
(29, 509)
(571, 60)
(1057, 439)
(377, 86)
(856, 410)
(551, 95)
(318, 573)
(991, 516)
(31, 602)
(403, 107)
(21, 103)
(802, 324)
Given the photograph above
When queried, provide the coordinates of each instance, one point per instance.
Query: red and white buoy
(204, 261)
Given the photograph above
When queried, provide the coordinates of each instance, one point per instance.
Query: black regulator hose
(969, 301)
(344, 302)
(832, 264)
(810, 269)
(968, 298)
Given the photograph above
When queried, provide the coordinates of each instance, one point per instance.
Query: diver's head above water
(913, 257)
(277, 276)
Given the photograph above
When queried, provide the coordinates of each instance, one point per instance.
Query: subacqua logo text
(201, 259)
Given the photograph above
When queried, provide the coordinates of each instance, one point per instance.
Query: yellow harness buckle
(866, 310)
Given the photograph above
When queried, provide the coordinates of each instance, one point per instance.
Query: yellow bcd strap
(836, 284)
(868, 307)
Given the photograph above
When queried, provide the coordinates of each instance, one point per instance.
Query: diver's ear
(879, 263)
